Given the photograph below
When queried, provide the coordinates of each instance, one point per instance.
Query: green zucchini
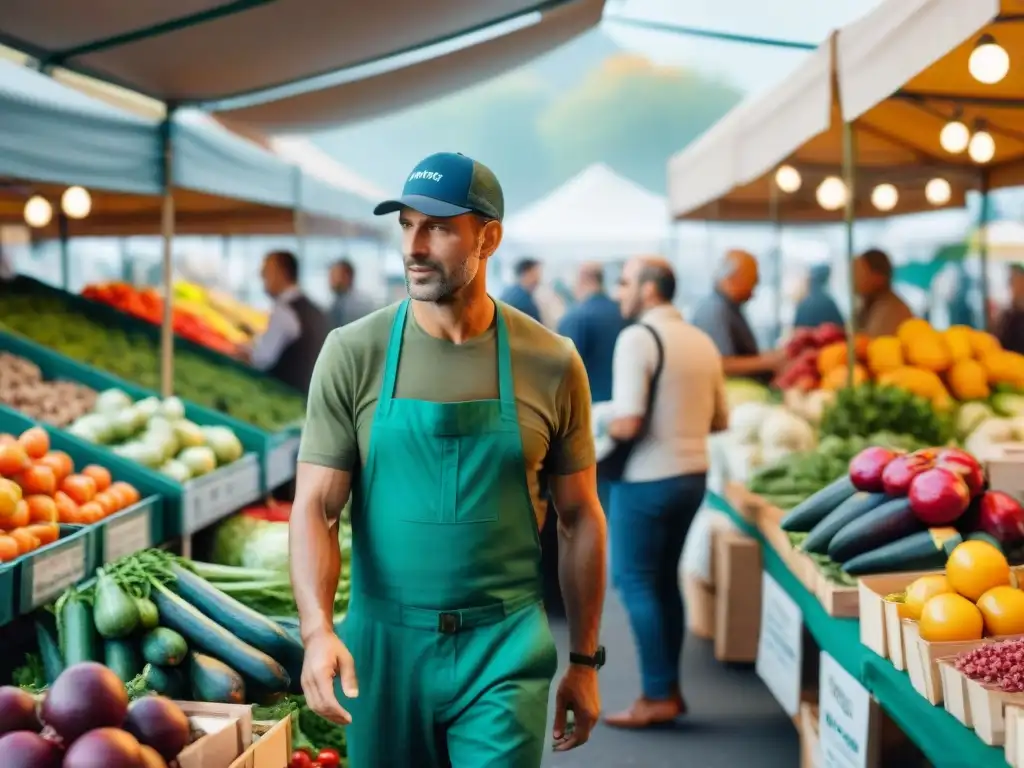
(804, 516)
(149, 617)
(49, 646)
(164, 647)
(921, 551)
(78, 639)
(860, 503)
(123, 657)
(206, 635)
(241, 620)
(114, 611)
(885, 523)
(167, 681)
(214, 681)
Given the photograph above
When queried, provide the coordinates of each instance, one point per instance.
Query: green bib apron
(452, 647)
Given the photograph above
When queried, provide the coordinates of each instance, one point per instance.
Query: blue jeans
(648, 524)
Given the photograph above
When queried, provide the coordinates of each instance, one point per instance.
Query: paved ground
(733, 719)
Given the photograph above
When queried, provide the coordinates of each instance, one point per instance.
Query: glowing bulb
(884, 197)
(38, 212)
(938, 192)
(831, 193)
(989, 62)
(954, 137)
(982, 147)
(76, 202)
(788, 179)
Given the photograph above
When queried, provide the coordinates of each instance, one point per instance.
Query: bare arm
(720, 419)
(313, 548)
(746, 365)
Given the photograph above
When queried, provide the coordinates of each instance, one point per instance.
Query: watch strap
(596, 661)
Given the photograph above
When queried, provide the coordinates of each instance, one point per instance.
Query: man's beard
(438, 286)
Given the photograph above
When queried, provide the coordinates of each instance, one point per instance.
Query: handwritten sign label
(53, 572)
(780, 645)
(211, 498)
(844, 713)
(281, 462)
(126, 536)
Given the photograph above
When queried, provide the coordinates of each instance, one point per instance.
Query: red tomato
(329, 758)
(300, 759)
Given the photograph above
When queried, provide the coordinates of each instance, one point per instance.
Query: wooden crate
(881, 627)
(923, 660)
(839, 601)
(1013, 749)
(954, 692)
(988, 707)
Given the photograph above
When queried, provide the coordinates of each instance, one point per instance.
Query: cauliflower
(745, 421)
(784, 429)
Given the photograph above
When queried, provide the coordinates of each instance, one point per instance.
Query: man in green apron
(440, 413)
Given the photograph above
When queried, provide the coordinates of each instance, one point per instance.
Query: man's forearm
(315, 555)
(741, 366)
(582, 558)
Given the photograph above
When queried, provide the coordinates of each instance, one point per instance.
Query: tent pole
(65, 251)
(773, 213)
(983, 215)
(850, 210)
(167, 231)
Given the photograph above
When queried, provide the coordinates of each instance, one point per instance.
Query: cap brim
(428, 206)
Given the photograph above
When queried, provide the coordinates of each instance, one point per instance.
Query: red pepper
(329, 758)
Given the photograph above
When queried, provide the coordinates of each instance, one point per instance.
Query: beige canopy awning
(204, 51)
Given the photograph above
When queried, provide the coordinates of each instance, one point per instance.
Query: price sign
(126, 536)
(210, 498)
(844, 715)
(53, 572)
(780, 645)
(281, 462)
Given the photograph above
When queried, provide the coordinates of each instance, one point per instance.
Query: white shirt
(690, 401)
(283, 327)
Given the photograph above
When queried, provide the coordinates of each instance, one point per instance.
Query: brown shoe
(648, 713)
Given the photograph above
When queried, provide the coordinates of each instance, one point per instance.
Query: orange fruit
(107, 501)
(90, 512)
(81, 488)
(10, 495)
(47, 533)
(1003, 610)
(922, 590)
(67, 509)
(13, 459)
(7, 439)
(128, 493)
(35, 441)
(60, 463)
(20, 518)
(950, 618)
(26, 541)
(101, 475)
(38, 478)
(41, 509)
(8, 549)
(974, 567)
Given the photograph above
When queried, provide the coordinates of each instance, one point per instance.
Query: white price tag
(126, 537)
(54, 572)
(210, 498)
(780, 645)
(281, 462)
(844, 713)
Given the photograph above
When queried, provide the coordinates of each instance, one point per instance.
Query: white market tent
(597, 215)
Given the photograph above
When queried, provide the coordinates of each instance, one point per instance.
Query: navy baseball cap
(449, 184)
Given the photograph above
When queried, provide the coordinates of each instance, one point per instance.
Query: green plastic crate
(8, 593)
(275, 451)
(131, 530)
(43, 575)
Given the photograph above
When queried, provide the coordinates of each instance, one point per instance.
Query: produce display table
(942, 739)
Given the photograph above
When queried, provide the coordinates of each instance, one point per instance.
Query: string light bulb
(982, 147)
(831, 193)
(885, 197)
(989, 62)
(787, 178)
(954, 137)
(38, 212)
(937, 191)
(76, 202)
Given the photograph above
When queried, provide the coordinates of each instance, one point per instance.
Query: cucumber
(123, 657)
(167, 681)
(206, 635)
(49, 646)
(78, 639)
(804, 516)
(149, 617)
(922, 551)
(241, 620)
(888, 522)
(214, 681)
(860, 503)
(114, 611)
(164, 647)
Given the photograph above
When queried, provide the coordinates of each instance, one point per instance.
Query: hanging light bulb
(884, 197)
(937, 191)
(954, 137)
(989, 62)
(982, 147)
(38, 212)
(76, 202)
(831, 193)
(787, 178)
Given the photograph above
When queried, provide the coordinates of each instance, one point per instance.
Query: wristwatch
(596, 661)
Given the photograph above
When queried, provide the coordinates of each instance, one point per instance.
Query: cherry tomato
(329, 758)
(300, 759)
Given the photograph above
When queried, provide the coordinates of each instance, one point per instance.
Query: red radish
(158, 722)
(867, 467)
(1002, 517)
(965, 465)
(938, 496)
(84, 697)
(899, 472)
(17, 710)
(25, 749)
(106, 747)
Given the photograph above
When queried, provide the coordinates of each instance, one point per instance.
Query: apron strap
(394, 353)
(506, 382)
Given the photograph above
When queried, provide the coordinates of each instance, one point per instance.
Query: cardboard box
(700, 607)
(988, 707)
(271, 746)
(923, 660)
(228, 730)
(1013, 750)
(737, 596)
(881, 628)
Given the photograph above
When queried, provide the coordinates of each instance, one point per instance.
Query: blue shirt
(520, 298)
(594, 325)
(722, 320)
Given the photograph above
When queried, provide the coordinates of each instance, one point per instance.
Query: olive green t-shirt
(551, 388)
